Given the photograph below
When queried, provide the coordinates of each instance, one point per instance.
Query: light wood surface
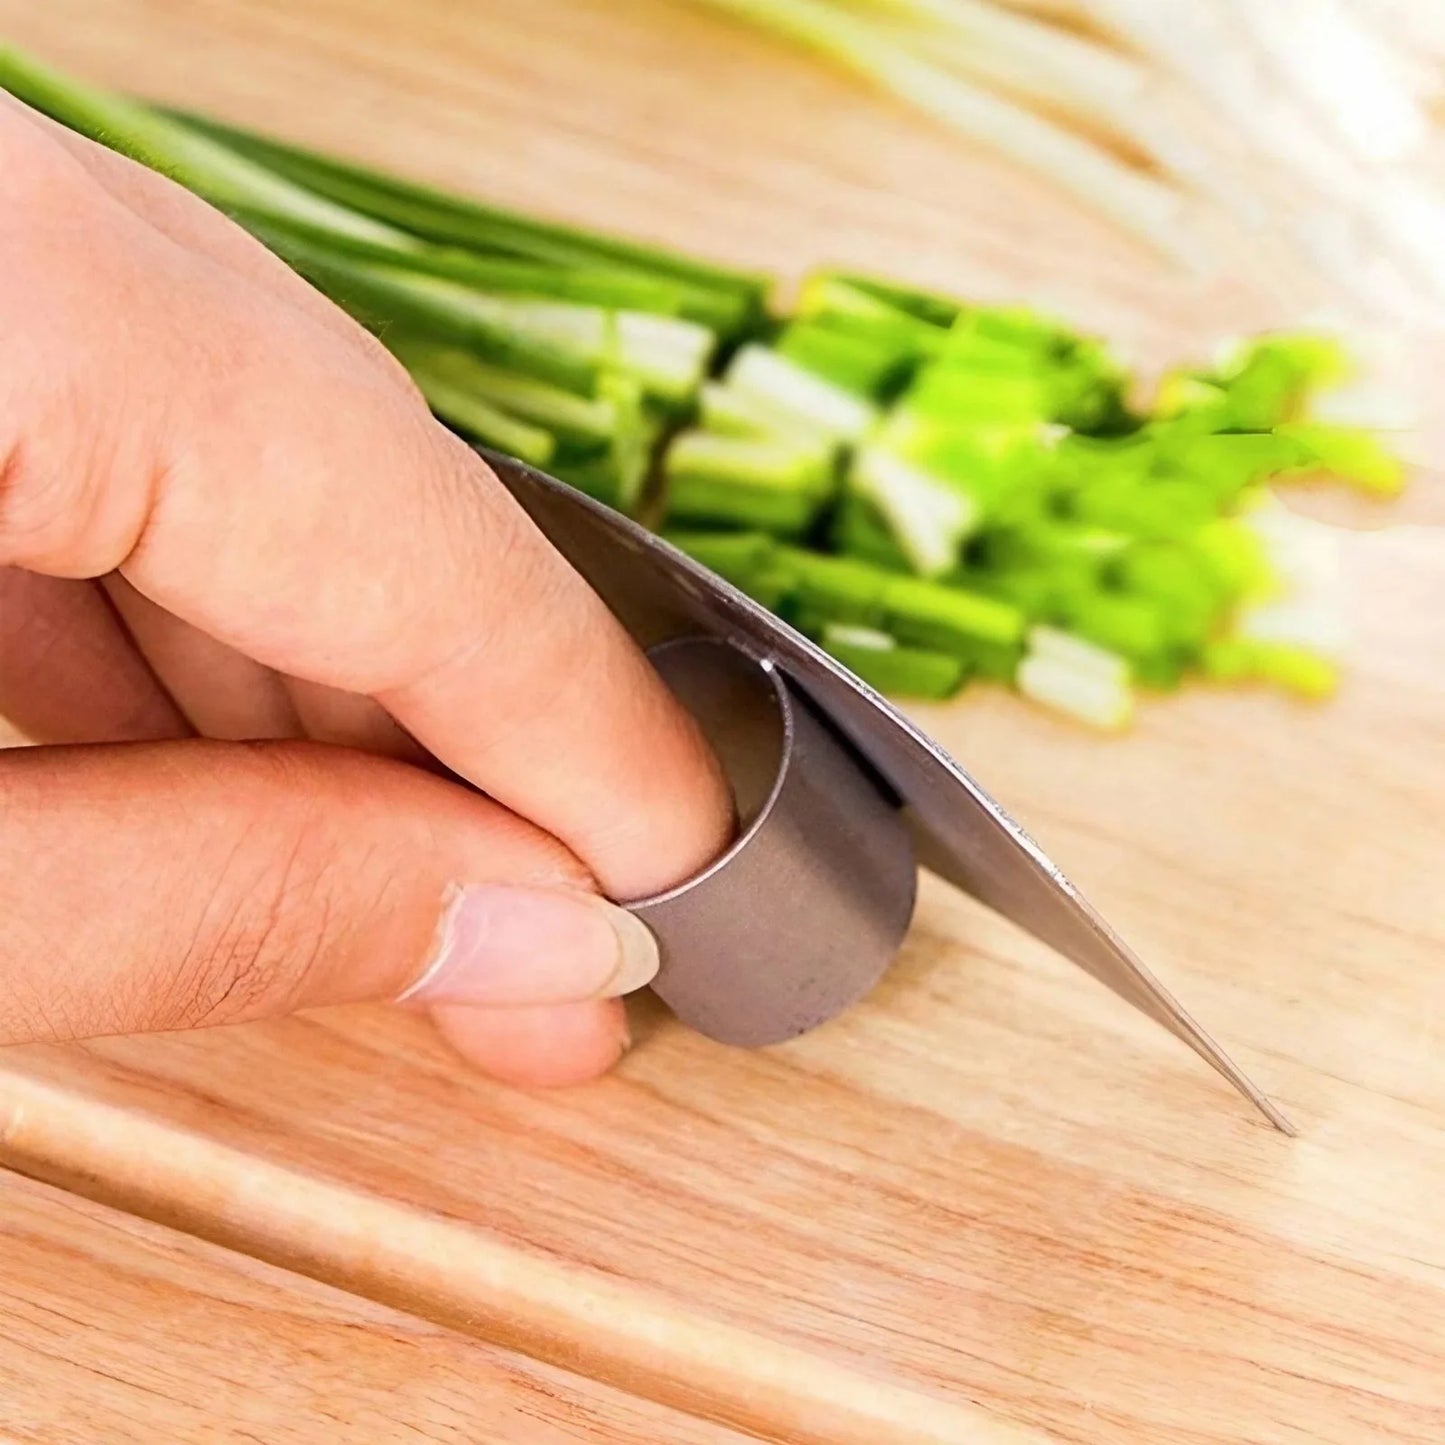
(990, 1204)
(116, 1330)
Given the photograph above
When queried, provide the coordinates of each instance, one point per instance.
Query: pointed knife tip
(1278, 1119)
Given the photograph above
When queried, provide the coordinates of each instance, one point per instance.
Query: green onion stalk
(1148, 114)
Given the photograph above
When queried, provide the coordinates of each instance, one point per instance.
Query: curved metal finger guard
(802, 914)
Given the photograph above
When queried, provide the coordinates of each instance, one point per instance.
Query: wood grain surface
(113, 1329)
(990, 1204)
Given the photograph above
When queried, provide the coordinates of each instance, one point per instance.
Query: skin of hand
(267, 620)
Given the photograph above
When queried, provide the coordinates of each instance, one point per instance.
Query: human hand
(226, 515)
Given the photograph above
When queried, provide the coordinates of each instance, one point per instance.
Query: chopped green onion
(467, 412)
(901, 671)
(1296, 669)
(926, 306)
(859, 530)
(616, 476)
(668, 354)
(926, 515)
(775, 381)
(733, 555)
(1131, 626)
(1014, 326)
(777, 484)
(932, 615)
(577, 419)
(1075, 652)
(1348, 453)
(1232, 555)
(990, 395)
(1089, 695)
(850, 305)
(1187, 596)
(730, 412)
(752, 561)
(850, 634)
(857, 363)
(1184, 393)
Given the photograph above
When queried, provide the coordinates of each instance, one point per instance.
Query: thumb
(154, 886)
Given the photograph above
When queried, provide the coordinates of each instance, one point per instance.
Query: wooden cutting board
(988, 1205)
(118, 1331)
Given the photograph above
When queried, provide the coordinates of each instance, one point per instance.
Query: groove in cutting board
(565, 1315)
(117, 1330)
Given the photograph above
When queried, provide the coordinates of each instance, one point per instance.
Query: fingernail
(499, 946)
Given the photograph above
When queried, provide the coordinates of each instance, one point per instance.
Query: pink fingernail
(500, 946)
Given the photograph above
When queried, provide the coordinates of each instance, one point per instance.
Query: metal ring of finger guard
(817, 833)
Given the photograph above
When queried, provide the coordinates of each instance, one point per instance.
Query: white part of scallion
(730, 412)
(928, 517)
(1374, 404)
(1089, 696)
(1418, 33)
(586, 330)
(1155, 212)
(668, 354)
(1315, 623)
(781, 463)
(1083, 79)
(1075, 652)
(845, 634)
(1207, 47)
(1339, 69)
(790, 389)
(1303, 554)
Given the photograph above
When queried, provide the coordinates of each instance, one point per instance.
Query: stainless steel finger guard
(800, 917)
(839, 798)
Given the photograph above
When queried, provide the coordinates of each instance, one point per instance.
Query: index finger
(252, 472)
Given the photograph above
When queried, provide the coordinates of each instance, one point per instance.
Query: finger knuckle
(66, 505)
(37, 505)
(259, 934)
(70, 487)
(518, 611)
